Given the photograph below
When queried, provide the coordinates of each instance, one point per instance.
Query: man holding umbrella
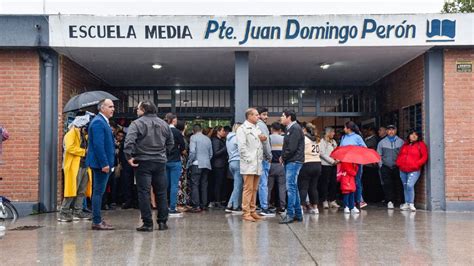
(100, 158)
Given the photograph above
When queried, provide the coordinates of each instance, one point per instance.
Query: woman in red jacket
(346, 175)
(413, 155)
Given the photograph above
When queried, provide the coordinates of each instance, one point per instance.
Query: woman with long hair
(413, 155)
(219, 166)
(327, 183)
(311, 170)
(352, 137)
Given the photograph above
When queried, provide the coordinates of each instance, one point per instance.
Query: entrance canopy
(346, 66)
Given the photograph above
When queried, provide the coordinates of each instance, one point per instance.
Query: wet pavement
(376, 236)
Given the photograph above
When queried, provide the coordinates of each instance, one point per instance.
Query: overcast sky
(219, 7)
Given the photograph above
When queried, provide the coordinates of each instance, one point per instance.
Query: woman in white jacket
(327, 182)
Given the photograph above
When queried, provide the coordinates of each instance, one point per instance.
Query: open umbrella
(87, 99)
(355, 154)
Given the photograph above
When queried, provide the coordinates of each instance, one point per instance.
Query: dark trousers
(152, 174)
(219, 174)
(128, 188)
(371, 183)
(199, 186)
(308, 182)
(391, 183)
(277, 175)
(327, 186)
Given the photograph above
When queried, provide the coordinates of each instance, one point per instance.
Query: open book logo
(441, 30)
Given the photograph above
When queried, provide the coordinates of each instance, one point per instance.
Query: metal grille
(412, 119)
(184, 101)
(276, 100)
(315, 101)
(203, 101)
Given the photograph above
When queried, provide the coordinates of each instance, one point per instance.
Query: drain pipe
(48, 160)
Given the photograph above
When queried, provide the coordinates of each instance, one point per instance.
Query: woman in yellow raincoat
(77, 177)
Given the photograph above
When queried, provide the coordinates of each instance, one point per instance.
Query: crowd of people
(253, 169)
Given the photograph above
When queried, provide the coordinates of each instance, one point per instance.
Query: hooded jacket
(412, 156)
(388, 150)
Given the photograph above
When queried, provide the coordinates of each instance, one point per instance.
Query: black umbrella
(87, 99)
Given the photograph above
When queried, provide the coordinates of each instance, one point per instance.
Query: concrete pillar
(434, 128)
(241, 85)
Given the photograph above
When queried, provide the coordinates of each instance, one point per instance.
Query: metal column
(241, 85)
(434, 128)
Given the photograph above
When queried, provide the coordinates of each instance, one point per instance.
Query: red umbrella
(355, 154)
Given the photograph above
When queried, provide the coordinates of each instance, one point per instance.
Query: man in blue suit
(100, 158)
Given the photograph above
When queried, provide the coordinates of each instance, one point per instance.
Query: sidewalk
(376, 236)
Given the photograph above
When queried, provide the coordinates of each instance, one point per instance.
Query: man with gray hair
(100, 158)
(249, 142)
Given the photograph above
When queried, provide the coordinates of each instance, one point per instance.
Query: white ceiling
(352, 66)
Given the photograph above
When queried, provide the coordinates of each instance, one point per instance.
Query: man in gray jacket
(200, 154)
(388, 148)
(267, 158)
(148, 140)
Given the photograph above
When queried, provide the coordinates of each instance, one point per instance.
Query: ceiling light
(325, 66)
(302, 91)
(156, 66)
(178, 91)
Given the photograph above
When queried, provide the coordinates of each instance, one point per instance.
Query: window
(412, 119)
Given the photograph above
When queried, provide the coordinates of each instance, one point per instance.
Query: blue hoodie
(232, 148)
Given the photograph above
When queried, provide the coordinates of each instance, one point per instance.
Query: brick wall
(20, 114)
(402, 88)
(459, 126)
(73, 80)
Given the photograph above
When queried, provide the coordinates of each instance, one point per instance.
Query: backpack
(4, 133)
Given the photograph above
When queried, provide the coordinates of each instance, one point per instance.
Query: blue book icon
(440, 28)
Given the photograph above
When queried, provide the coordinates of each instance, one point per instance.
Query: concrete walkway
(376, 236)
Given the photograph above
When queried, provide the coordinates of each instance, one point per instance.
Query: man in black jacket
(293, 158)
(148, 140)
(174, 165)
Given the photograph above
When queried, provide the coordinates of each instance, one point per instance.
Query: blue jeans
(263, 186)
(358, 192)
(235, 200)
(348, 200)
(173, 171)
(409, 181)
(99, 184)
(294, 204)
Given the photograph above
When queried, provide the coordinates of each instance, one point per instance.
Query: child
(346, 176)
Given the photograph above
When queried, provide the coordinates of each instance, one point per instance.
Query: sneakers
(325, 204)
(363, 204)
(313, 210)
(80, 215)
(355, 211)
(346, 210)
(175, 213)
(267, 212)
(412, 207)
(404, 207)
(237, 211)
(65, 217)
(390, 205)
(228, 209)
(333, 204)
